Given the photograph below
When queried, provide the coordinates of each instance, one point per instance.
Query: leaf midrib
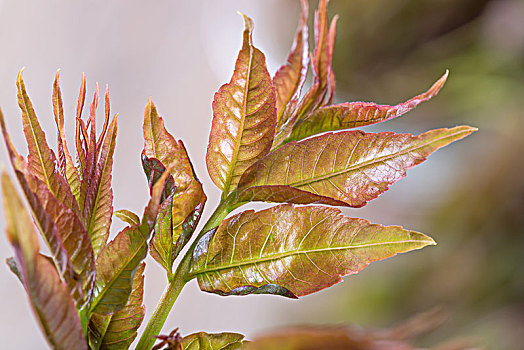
(368, 163)
(230, 173)
(298, 252)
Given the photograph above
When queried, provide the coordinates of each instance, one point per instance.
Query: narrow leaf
(119, 259)
(100, 192)
(80, 147)
(357, 114)
(41, 159)
(127, 216)
(244, 117)
(324, 77)
(293, 251)
(352, 167)
(60, 226)
(117, 331)
(218, 341)
(289, 79)
(67, 166)
(49, 296)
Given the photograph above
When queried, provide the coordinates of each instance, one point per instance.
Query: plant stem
(181, 277)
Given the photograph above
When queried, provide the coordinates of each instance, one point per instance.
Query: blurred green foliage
(389, 51)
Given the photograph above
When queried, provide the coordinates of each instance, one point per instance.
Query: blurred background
(469, 196)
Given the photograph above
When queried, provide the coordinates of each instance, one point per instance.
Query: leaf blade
(357, 114)
(60, 226)
(118, 261)
(349, 166)
(118, 331)
(289, 253)
(49, 296)
(216, 341)
(41, 159)
(244, 117)
(290, 78)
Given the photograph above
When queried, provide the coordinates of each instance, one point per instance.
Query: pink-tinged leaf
(60, 226)
(49, 296)
(67, 166)
(177, 220)
(357, 114)
(41, 159)
(209, 341)
(100, 193)
(289, 79)
(127, 216)
(324, 77)
(293, 251)
(81, 148)
(89, 175)
(244, 117)
(352, 167)
(117, 331)
(119, 259)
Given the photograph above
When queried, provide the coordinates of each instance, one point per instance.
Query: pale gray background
(179, 52)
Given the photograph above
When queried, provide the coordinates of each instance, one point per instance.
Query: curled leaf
(351, 167)
(244, 117)
(208, 341)
(293, 251)
(127, 216)
(179, 215)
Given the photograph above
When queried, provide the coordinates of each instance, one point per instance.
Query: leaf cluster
(272, 140)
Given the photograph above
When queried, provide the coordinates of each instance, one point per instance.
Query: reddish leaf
(293, 251)
(119, 259)
(81, 148)
(49, 296)
(290, 78)
(324, 77)
(41, 159)
(61, 228)
(117, 331)
(350, 166)
(100, 193)
(357, 114)
(244, 117)
(67, 166)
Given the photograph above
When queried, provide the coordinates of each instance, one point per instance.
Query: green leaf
(49, 296)
(119, 259)
(127, 216)
(244, 117)
(67, 166)
(289, 79)
(117, 331)
(357, 114)
(41, 159)
(178, 218)
(351, 167)
(60, 226)
(81, 147)
(293, 251)
(218, 341)
(100, 193)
